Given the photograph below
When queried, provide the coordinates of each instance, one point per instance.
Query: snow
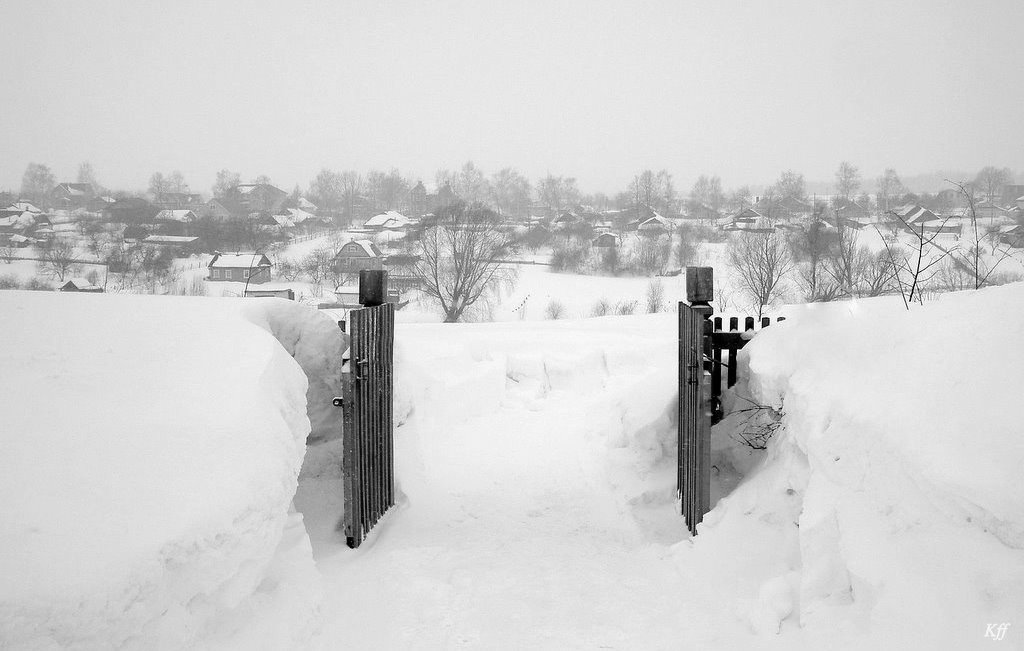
(885, 513)
(148, 458)
(535, 479)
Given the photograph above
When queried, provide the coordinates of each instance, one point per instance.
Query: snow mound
(148, 460)
(886, 512)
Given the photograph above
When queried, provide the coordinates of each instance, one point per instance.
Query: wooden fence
(701, 344)
(368, 442)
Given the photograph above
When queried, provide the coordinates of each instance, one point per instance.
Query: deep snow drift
(888, 512)
(148, 458)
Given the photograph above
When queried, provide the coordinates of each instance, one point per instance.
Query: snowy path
(509, 533)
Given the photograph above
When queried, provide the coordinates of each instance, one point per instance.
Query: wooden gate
(693, 480)
(367, 402)
(701, 342)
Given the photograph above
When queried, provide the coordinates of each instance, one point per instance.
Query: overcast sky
(595, 90)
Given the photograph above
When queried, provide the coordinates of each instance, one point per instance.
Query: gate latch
(338, 402)
(361, 365)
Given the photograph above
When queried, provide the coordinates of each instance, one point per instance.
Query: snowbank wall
(148, 458)
(887, 512)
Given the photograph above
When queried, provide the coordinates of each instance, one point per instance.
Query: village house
(418, 200)
(175, 222)
(606, 241)
(177, 200)
(357, 255)
(239, 267)
(748, 220)
(80, 285)
(258, 197)
(390, 220)
(70, 196)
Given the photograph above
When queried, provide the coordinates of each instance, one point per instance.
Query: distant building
(358, 255)
(80, 285)
(240, 267)
(70, 196)
(418, 200)
(390, 220)
(257, 197)
(606, 241)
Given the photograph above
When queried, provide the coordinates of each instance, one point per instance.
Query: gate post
(700, 293)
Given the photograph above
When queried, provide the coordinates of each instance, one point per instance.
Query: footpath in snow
(536, 507)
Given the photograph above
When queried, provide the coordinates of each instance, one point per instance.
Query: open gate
(701, 343)
(368, 442)
(693, 479)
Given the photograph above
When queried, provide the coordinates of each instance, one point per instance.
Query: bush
(568, 257)
(554, 310)
(602, 307)
(37, 284)
(655, 296)
(625, 307)
(9, 281)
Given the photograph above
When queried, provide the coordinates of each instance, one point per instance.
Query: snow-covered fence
(367, 402)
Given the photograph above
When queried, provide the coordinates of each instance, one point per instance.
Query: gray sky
(595, 90)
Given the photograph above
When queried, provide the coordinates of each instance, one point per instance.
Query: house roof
(170, 239)
(75, 189)
(239, 261)
(181, 215)
(23, 206)
(79, 283)
(389, 219)
(366, 247)
(306, 204)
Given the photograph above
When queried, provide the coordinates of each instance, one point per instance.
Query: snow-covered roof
(180, 215)
(284, 221)
(298, 215)
(23, 206)
(389, 219)
(306, 204)
(346, 289)
(19, 238)
(239, 261)
(170, 239)
(367, 247)
(80, 284)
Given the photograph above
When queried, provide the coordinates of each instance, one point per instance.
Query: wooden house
(357, 255)
(390, 220)
(256, 197)
(80, 285)
(606, 241)
(253, 268)
(70, 196)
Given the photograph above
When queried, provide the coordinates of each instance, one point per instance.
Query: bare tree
(789, 186)
(37, 182)
(890, 189)
(990, 181)
(760, 261)
(510, 192)
(655, 296)
(811, 248)
(464, 254)
(973, 258)
(57, 258)
(86, 174)
(226, 182)
(912, 269)
(558, 192)
(847, 180)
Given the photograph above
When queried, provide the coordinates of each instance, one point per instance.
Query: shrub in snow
(554, 310)
(602, 307)
(655, 296)
(9, 281)
(35, 283)
(625, 307)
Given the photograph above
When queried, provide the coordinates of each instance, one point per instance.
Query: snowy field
(535, 467)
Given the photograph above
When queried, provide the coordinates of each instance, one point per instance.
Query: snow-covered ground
(535, 467)
(148, 457)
